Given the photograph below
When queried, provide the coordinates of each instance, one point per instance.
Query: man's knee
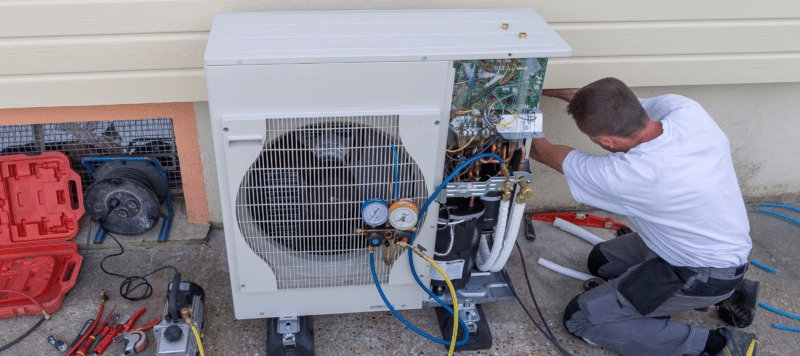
(596, 260)
(572, 308)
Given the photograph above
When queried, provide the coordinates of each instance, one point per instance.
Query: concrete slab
(378, 333)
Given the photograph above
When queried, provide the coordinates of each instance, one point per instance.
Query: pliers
(129, 327)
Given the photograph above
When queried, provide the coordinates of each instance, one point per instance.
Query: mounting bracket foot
(290, 336)
(480, 336)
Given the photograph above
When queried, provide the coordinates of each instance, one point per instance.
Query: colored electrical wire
(462, 147)
(781, 206)
(770, 269)
(396, 184)
(403, 320)
(785, 327)
(452, 293)
(778, 311)
(511, 122)
(510, 76)
(779, 215)
(421, 215)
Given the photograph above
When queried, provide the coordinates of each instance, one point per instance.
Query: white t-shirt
(679, 190)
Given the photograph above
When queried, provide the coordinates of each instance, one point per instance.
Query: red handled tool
(580, 219)
(103, 298)
(108, 336)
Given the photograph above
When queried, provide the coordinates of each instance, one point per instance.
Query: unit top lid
(370, 36)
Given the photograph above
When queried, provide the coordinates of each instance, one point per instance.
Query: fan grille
(298, 206)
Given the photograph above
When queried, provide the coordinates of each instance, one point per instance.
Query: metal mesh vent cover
(154, 138)
(298, 206)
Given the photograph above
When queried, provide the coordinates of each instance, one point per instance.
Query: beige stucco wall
(759, 119)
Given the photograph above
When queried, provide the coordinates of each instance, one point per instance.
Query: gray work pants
(620, 315)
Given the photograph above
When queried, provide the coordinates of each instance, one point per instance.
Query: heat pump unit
(314, 113)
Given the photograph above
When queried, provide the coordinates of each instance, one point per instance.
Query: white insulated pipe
(511, 236)
(564, 270)
(577, 231)
(486, 258)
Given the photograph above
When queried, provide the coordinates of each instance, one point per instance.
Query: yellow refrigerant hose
(186, 313)
(452, 294)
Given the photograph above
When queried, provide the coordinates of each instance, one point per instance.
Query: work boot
(740, 308)
(737, 343)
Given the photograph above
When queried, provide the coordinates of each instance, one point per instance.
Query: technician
(671, 173)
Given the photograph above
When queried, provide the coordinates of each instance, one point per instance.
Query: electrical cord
(127, 287)
(547, 333)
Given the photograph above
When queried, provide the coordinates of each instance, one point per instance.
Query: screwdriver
(58, 344)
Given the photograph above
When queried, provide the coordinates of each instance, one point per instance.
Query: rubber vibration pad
(304, 339)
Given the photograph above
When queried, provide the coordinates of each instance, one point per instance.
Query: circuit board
(498, 84)
(493, 93)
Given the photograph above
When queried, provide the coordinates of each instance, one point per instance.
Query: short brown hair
(607, 107)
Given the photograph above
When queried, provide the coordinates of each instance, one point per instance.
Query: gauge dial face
(403, 218)
(375, 212)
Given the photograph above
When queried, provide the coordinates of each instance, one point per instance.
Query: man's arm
(551, 155)
(563, 94)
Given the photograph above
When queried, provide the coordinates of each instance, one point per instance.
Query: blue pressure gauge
(375, 212)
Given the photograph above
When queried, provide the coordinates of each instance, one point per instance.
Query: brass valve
(525, 191)
(506, 189)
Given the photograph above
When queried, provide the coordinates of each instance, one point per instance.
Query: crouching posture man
(671, 174)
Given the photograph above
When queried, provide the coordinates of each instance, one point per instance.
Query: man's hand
(563, 94)
(551, 155)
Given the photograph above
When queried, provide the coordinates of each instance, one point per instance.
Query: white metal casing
(284, 65)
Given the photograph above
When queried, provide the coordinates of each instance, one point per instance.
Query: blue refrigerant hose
(421, 214)
(403, 320)
(778, 215)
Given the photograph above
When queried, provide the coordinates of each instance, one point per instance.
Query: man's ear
(607, 142)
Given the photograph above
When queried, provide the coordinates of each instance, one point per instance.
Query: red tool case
(41, 202)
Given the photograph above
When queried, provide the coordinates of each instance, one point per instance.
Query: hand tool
(135, 341)
(108, 337)
(83, 331)
(580, 219)
(86, 347)
(58, 344)
(129, 327)
(103, 299)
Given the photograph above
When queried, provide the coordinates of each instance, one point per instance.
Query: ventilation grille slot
(298, 206)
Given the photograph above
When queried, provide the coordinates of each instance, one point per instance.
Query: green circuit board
(497, 85)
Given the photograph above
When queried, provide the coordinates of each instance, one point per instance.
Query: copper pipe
(522, 159)
(488, 160)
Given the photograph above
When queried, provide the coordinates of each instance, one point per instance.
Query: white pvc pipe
(486, 258)
(511, 236)
(564, 270)
(577, 231)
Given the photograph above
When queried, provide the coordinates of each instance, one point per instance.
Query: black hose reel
(126, 197)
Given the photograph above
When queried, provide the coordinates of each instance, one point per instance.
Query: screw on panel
(523, 35)
(505, 26)
(424, 58)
